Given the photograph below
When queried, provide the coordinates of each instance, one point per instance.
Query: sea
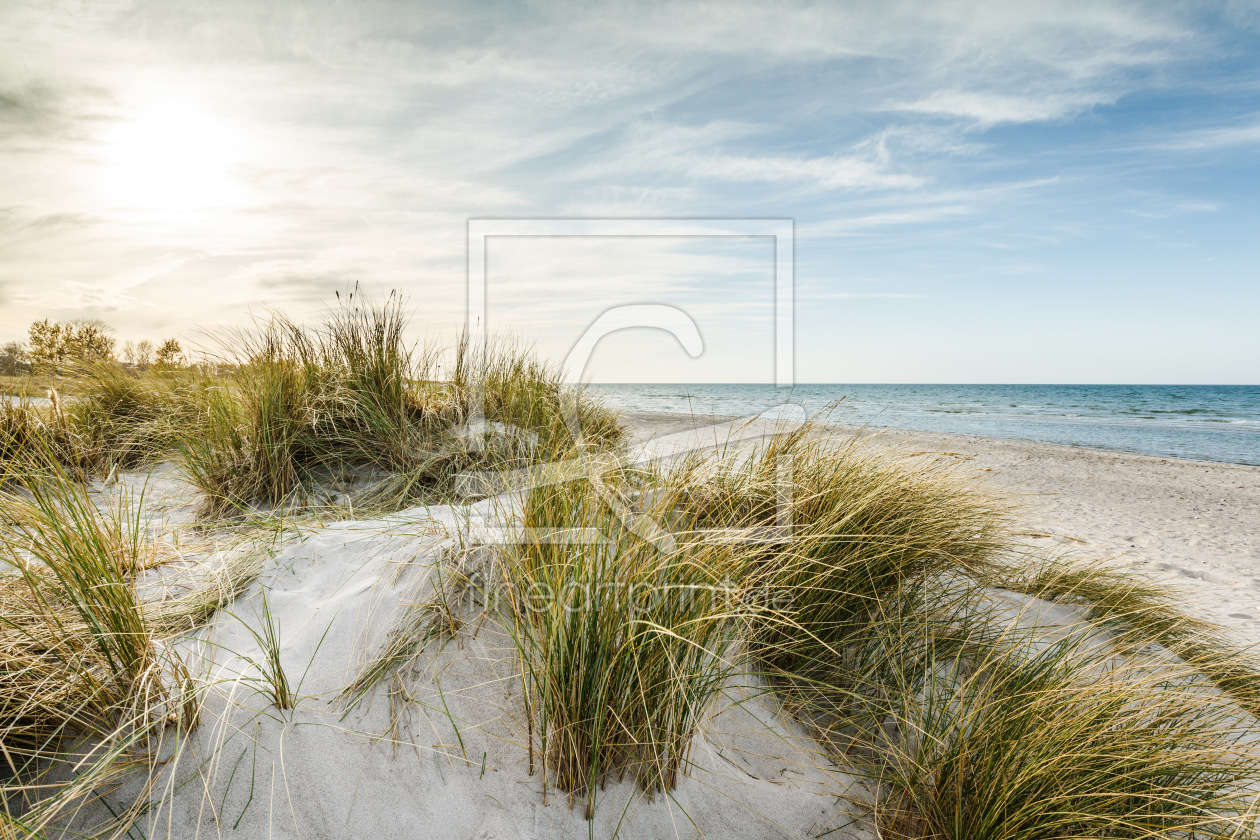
(1200, 422)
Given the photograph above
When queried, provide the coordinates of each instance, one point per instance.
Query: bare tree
(144, 354)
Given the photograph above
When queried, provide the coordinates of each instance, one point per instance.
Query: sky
(979, 191)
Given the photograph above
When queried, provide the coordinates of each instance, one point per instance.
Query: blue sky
(982, 192)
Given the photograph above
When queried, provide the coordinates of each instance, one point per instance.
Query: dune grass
(867, 529)
(430, 611)
(1142, 613)
(123, 420)
(115, 420)
(865, 586)
(35, 439)
(350, 401)
(970, 721)
(624, 641)
(270, 667)
(79, 663)
(19, 434)
(28, 386)
(520, 390)
(346, 411)
(1061, 742)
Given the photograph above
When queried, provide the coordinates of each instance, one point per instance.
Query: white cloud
(989, 109)
(1210, 139)
(856, 224)
(923, 208)
(824, 173)
(703, 153)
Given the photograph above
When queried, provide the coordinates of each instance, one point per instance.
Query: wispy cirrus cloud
(1210, 139)
(911, 141)
(990, 109)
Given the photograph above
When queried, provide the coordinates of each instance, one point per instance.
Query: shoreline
(1210, 423)
(641, 415)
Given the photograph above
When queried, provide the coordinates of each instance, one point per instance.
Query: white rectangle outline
(782, 231)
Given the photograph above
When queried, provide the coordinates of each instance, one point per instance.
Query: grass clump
(350, 401)
(115, 420)
(26, 386)
(973, 718)
(270, 666)
(1061, 742)
(624, 641)
(1142, 615)
(868, 532)
(78, 659)
(123, 420)
(258, 442)
(523, 392)
(881, 621)
(20, 433)
(33, 440)
(298, 416)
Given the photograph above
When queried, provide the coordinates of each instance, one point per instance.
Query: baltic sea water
(1201, 422)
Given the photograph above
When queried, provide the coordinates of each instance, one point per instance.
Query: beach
(1195, 522)
(438, 747)
(629, 421)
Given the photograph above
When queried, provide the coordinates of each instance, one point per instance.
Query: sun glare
(172, 156)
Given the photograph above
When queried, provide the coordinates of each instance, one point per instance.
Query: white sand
(458, 766)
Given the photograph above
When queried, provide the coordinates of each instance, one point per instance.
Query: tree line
(53, 346)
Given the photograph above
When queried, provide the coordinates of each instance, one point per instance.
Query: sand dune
(441, 752)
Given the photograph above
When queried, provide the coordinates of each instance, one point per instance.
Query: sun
(172, 156)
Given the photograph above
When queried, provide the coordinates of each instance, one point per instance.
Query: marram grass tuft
(79, 662)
